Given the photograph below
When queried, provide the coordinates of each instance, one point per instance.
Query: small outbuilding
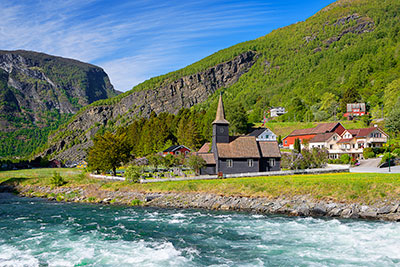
(177, 150)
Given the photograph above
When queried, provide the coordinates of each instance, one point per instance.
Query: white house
(263, 134)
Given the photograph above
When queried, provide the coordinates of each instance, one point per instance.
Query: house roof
(175, 147)
(325, 127)
(269, 149)
(321, 137)
(302, 132)
(319, 129)
(364, 132)
(208, 157)
(205, 148)
(220, 116)
(241, 147)
(345, 140)
(256, 132)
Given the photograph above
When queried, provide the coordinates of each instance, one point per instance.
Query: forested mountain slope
(347, 52)
(38, 92)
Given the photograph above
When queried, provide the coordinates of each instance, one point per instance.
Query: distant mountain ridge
(38, 91)
(347, 52)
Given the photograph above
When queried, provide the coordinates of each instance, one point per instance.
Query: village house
(263, 134)
(351, 142)
(176, 150)
(304, 135)
(238, 154)
(278, 111)
(355, 110)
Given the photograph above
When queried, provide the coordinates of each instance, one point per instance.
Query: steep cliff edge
(71, 141)
(38, 91)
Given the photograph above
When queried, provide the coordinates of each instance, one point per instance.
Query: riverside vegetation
(376, 194)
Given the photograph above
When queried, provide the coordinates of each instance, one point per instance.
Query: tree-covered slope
(347, 52)
(38, 92)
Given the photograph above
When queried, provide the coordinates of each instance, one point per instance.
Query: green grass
(365, 188)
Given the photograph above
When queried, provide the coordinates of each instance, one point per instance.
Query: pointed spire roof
(220, 117)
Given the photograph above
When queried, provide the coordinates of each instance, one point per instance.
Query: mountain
(38, 92)
(347, 52)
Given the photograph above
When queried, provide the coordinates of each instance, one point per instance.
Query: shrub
(57, 180)
(133, 173)
(345, 159)
(386, 157)
(368, 153)
(136, 202)
(396, 152)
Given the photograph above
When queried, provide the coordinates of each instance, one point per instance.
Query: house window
(286, 142)
(334, 138)
(266, 137)
(354, 146)
(186, 152)
(229, 163)
(271, 162)
(250, 163)
(177, 152)
(330, 146)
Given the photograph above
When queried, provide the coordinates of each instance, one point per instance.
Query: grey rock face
(171, 97)
(39, 83)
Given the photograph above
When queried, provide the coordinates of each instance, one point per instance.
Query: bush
(386, 157)
(396, 152)
(133, 173)
(57, 180)
(345, 159)
(368, 153)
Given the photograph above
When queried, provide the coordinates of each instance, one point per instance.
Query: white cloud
(132, 41)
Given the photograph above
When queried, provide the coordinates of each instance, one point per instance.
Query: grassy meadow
(343, 187)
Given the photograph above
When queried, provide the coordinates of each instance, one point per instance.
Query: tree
(155, 160)
(351, 95)
(169, 161)
(133, 173)
(188, 133)
(195, 163)
(237, 117)
(393, 119)
(329, 103)
(108, 152)
(297, 145)
(392, 95)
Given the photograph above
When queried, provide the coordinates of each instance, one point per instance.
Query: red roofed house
(350, 142)
(355, 110)
(176, 150)
(309, 133)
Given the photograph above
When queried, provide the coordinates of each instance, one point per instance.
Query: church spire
(220, 116)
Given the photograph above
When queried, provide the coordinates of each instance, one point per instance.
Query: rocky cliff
(70, 143)
(37, 90)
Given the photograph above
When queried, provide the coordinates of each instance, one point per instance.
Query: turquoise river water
(36, 232)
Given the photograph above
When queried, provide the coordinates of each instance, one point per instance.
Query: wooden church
(237, 154)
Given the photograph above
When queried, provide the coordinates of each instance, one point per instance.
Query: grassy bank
(345, 187)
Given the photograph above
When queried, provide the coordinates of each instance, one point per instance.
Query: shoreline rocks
(294, 206)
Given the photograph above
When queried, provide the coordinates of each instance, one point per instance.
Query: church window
(229, 163)
(250, 162)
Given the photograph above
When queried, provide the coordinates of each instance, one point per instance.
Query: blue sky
(136, 40)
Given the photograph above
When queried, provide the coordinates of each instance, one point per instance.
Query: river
(37, 232)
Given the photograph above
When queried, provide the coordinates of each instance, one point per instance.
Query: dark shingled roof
(208, 157)
(173, 148)
(257, 132)
(241, 147)
(269, 149)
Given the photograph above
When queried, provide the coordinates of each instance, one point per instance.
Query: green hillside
(347, 52)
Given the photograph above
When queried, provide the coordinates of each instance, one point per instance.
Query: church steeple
(220, 116)
(220, 125)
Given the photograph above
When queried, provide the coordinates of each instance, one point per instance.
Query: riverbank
(366, 196)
